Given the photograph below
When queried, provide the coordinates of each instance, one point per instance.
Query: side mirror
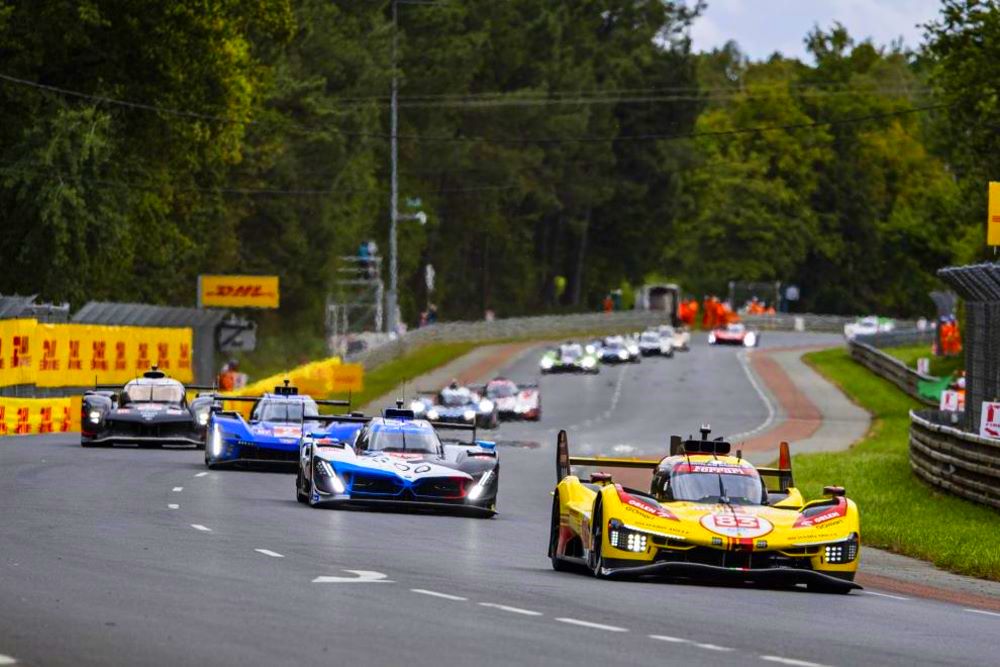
(835, 491)
(486, 444)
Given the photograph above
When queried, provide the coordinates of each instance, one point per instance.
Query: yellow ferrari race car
(708, 515)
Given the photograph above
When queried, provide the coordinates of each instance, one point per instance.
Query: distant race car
(628, 343)
(652, 343)
(148, 411)
(680, 338)
(514, 401)
(614, 353)
(707, 515)
(734, 333)
(869, 326)
(456, 404)
(271, 436)
(569, 358)
(399, 461)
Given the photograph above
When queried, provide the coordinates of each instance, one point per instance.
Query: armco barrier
(962, 463)
(890, 368)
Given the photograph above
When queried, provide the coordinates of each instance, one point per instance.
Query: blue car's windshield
(285, 412)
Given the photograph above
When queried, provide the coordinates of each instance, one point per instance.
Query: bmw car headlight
(417, 407)
(480, 487)
(750, 339)
(486, 405)
(94, 416)
(324, 469)
(469, 415)
(215, 442)
(432, 414)
(546, 363)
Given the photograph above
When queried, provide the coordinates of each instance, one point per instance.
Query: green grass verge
(382, 379)
(898, 512)
(940, 366)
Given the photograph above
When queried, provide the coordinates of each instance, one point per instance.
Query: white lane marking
(268, 552)
(435, 594)
(7, 660)
(174, 506)
(201, 474)
(789, 661)
(595, 626)
(204, 529)
(513, 610)
(982, 611)
(360, 577)
(742, 356)
(178, 489)
(713, 647)
(885, 595)
(668, 638)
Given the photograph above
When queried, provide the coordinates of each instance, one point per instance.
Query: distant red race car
(735, 333)
(514, 401)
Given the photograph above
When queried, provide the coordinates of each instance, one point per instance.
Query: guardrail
(949, 458)
(890, 368)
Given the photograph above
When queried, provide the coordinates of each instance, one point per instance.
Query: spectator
(432, 314)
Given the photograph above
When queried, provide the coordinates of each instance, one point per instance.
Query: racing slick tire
(595, 561)
(558, 564)
(300, 495)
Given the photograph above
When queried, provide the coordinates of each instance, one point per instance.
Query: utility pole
(392, 295)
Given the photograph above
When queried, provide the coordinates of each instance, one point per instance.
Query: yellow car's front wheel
(595, 559)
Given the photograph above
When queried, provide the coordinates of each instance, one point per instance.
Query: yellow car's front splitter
(775, 576)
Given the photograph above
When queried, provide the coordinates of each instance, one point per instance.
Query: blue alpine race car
(399, 461)
(271, 436)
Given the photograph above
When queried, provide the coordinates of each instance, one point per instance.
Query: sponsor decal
(814, 516)
(631, 501)
(238, 291)
(287, 431)
(715, 468)
(989, 422)
(736, 525)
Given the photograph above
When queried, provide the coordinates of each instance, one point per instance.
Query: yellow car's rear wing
(779, 480)
(565, 462)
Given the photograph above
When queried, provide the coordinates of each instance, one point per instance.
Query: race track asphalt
(143, 557)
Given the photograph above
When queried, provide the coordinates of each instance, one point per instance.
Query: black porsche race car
(151, 410)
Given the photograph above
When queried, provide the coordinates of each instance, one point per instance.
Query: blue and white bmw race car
(271, 436)
(399, 461)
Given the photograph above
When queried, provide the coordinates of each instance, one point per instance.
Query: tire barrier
(892, 369)
(24, 416)
(964, 464)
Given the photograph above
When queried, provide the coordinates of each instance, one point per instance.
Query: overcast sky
(762, 27)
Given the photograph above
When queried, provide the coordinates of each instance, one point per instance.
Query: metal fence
(945, 456)
(889, 367)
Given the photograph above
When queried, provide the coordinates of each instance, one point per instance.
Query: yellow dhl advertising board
(21, 416)
(993, 215)
(238, 291)
(317, 379)
(80, 355)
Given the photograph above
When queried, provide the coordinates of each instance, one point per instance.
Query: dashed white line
(201, 474)
(668, 638)
(174, 506)
(885, 595)
(744, 362)
(435, 594)
(712, 647)
(982, 611)
(178, 489)
(594, 626)
(513, 610)
(7, 660)
(789, 661)
(268, 552)
(204, 529)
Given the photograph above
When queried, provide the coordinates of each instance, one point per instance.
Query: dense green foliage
(560, 149)
(876, 473)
